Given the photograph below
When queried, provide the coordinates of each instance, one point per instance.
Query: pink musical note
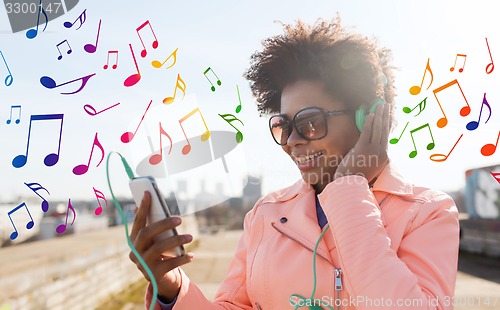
(92, 111)
(415, 90)
(49, 83)
(230, 118)
(442, 157)
(463, 66)
(99, 195)
(29, 225)
(155, 42)
(421, 106)
(473, 124)
(8, 79)
(68, 52)
(204, 137)
(62, 228)
(136, 77)
(180, 84)
(107, 61)
(489, 149)
(490, 67)
(496, 176)
(35, 187)
(158, 64)
(128, 136)
(18, 120)
(32, 33)
(155, 159)
(51, 159)
(82, 18)
(82, 169)
(91, 48)
(442, 122)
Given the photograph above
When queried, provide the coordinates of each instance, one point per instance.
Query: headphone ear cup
(361, 115)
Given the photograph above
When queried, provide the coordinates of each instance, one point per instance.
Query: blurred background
(63, 240)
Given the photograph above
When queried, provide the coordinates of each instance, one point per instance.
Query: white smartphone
(159, 209)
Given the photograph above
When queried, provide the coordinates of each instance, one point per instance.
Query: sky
(223, 35)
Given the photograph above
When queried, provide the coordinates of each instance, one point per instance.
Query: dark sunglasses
(310, 123)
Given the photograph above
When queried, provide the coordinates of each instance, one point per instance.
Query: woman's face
(317, 160)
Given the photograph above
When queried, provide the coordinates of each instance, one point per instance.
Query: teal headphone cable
(311, 299)
(130, 174)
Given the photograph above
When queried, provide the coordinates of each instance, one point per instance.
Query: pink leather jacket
(393, 246)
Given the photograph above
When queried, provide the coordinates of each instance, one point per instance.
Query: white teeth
(305, 159)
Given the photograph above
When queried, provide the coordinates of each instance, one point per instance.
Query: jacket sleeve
(232, 293)
(421, 275)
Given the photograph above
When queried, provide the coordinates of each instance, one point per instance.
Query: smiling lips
(304, 161)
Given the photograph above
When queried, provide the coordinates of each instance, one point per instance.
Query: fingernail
(176, 220)
(190, 255)
(189, 238)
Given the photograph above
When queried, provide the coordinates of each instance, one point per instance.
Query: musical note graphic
(99, 195)
(62, 228)
(463, 66)
(464, 111)
(442, 157)
(180, 84)
(496, 176)
(8, 79)
(92, 112)
(230, 118)
(136, 77)
(473, 124)
(18, 120)
(155, 42)
(489, 149)
(32, 33)
(218, 80)
(155, 159)
(82, 169)
(430, 146)
(415, 90)
(50, 159)
(238, 108)
(91, 48)
(421, 106)
(82, 18)
(36, 187)
(396, 140)
(68, 52)
(204, 137)
(158, 64)
(128, 136)
(107, 61)
(490, 66)
(49, 83)
(29, 225)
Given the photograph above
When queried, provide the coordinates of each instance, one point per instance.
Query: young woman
(381, 241)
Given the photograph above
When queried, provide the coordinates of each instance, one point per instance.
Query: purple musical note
(49, 83)
(62, 228)
(474, 124)
(82, 18)
(82, 169)
(90, 48)
(29, 225)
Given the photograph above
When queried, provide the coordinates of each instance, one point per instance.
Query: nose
(295, 139)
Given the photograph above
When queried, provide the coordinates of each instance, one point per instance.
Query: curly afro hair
(349, 65)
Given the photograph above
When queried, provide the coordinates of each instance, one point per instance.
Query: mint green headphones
(361, 112)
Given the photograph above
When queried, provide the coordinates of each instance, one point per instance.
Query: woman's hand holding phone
(164, 267)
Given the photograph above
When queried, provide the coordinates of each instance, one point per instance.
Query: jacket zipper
(337, 271)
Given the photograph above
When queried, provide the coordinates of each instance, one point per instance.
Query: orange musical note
(496, 176)
(464, 111)
(204, 137)
(158, 64)
(461, 69)
(415, 90)
(442, 157)
(421, 106)
(99, 195)
(490, 67)
(32, 33)
(128, 136)
(105, 67)
(136, 77)
(68, 52)
(155, 159)
(29, 225)
(489, 149)
(155, 42)
(218, 80)
(430, 146)
(62, 228)
(396, 140)
(230, 118)
(473, 124)
(49, 83)
(180, 84)
(82, 18)
(82, 169)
